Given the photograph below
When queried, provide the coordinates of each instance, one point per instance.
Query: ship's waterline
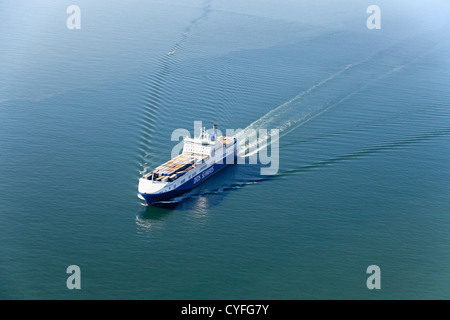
(202, 156)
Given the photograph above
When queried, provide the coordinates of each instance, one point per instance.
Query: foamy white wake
(332, 91)
(286, 117)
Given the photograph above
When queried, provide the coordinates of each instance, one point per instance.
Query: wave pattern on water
(373, 150)
(345, 82)
(155, 86)
(331, 92)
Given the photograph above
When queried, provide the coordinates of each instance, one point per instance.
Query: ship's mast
(202, 133)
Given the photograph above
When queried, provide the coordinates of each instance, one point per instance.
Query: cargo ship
(202, 157)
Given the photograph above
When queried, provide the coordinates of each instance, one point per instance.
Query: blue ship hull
(185, 187)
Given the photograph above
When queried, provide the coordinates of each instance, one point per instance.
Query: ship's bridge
(199, 146)
(207, 145)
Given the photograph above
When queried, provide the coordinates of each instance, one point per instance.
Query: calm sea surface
(364, 172)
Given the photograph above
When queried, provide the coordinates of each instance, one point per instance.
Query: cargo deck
(201, 157)
(177, 166)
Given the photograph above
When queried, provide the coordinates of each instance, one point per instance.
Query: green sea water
(363, 170)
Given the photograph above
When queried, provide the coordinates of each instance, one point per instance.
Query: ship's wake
(342, 83)
(359, 154)
(286, 117)
(330, 92)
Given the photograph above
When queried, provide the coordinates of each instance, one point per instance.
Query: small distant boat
(171, 52)
(202, 157)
